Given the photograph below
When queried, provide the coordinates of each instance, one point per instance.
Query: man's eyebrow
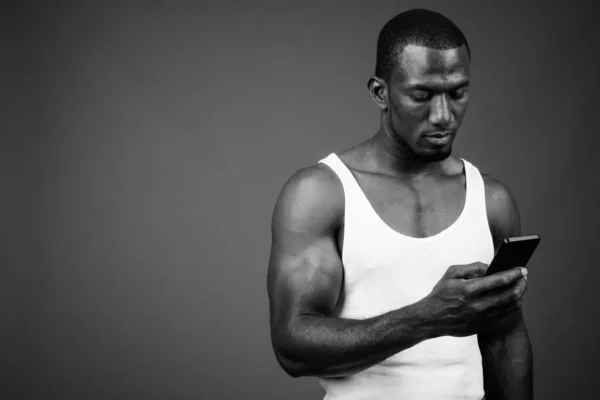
(436, 88)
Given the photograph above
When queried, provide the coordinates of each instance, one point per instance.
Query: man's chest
(417, 208)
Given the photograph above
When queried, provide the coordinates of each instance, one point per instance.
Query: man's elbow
(296, 368)
(290, 364)
(292, 368)
(286, 353)
(295, 357)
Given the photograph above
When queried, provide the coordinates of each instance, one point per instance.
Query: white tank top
(385, 270)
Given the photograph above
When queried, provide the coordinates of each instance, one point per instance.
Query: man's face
(428, 96)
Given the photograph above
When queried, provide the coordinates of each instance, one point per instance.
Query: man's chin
(435, 155)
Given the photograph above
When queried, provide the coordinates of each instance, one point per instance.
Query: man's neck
(390, 158)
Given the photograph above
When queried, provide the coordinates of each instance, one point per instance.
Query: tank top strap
(355, 198)
(476, 193)
(334, 162)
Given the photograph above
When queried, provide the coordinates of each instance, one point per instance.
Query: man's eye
(458, 95)
(421, 96)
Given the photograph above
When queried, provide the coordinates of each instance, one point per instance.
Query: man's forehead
(418, 62)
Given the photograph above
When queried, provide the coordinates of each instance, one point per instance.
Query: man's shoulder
(496, 193)
(502, 210)
(494, 189)
(312, 194)
(315, 180)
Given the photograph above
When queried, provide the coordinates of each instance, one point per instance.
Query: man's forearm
(328, 346)
(508, 365)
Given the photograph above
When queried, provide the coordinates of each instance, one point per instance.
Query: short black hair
(419, 27)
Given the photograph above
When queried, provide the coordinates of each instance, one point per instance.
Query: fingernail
(524, 271)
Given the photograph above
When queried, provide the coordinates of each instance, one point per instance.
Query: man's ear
(379, 92)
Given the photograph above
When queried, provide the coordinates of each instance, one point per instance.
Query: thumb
(468, 271)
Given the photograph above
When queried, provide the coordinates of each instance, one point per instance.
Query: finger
(497, 281)
(510, 295)
(523, 283)
(467, 271)
(490, 315)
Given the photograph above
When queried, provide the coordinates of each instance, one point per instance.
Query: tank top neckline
(453, 226)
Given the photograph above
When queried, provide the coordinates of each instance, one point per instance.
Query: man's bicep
(305, 270)
(305, 276)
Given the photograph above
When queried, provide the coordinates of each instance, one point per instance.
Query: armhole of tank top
(327, 162)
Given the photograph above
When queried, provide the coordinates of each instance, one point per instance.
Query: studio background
(143, 147)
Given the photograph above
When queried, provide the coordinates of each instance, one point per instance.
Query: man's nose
(440, 113)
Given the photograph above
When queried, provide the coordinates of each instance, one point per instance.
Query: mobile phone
(513, 252)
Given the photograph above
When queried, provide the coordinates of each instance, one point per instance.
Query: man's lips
(439, 134)
(439, 138)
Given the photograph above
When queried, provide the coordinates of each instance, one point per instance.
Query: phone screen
(513, 252)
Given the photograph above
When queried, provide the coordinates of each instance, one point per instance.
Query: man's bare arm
(304, 282)
(505, 345)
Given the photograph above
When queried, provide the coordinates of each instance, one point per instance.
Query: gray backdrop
(143, 148)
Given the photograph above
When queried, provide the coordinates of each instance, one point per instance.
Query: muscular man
(376, 278)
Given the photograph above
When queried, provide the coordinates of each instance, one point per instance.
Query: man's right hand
(465, 300)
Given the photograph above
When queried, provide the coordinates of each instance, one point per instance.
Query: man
(377, 271)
